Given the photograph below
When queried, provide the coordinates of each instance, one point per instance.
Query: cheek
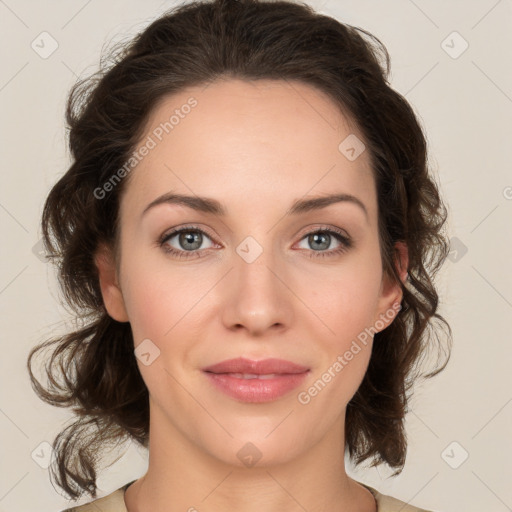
(158, 295)
(343, 352)
(161, 304)
(345, 304)
(346, 300)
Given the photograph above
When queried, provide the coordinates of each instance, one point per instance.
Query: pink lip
(288, 376)
(265, 366)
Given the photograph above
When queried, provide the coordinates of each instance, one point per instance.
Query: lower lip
(256, 390)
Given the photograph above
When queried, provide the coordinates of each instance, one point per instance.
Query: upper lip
(263, 367)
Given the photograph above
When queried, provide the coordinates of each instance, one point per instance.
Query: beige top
(114, 502)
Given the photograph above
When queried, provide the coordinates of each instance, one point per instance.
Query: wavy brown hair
(93, 370)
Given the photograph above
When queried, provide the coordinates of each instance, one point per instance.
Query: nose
(258, 296)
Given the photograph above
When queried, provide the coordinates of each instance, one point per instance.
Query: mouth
(256, 381)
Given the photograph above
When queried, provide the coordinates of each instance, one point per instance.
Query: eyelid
(191, 227)
(314, 228)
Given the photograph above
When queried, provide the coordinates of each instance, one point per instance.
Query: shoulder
(113, 502)
(387, 503)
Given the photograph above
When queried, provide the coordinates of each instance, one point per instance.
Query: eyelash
(345, 243)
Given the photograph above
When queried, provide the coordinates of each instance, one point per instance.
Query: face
(261, 280)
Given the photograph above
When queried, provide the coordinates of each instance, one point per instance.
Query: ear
(109, 284)
(391, 293)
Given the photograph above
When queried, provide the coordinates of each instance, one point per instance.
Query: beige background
(465, 104)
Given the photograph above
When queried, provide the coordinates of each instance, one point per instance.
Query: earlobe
(110, 289)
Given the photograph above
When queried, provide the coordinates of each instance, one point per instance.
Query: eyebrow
(212, 206)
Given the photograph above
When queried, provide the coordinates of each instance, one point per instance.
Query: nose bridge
(258, 299)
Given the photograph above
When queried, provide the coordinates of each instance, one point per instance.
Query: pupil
(317, 237)
(190, 237)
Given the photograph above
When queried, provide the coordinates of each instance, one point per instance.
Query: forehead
(248, 141)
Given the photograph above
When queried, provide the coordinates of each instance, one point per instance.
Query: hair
(93, 369)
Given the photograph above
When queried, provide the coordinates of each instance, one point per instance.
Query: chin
(250, 448)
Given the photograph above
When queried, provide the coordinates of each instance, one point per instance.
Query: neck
(182, 476)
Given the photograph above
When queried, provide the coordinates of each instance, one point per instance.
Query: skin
(256, 147)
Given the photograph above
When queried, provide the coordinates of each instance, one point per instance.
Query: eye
(185, 242)
(321, 239)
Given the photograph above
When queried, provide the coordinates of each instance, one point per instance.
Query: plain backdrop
(451, 60)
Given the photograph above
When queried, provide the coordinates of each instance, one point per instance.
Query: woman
(249, 232)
